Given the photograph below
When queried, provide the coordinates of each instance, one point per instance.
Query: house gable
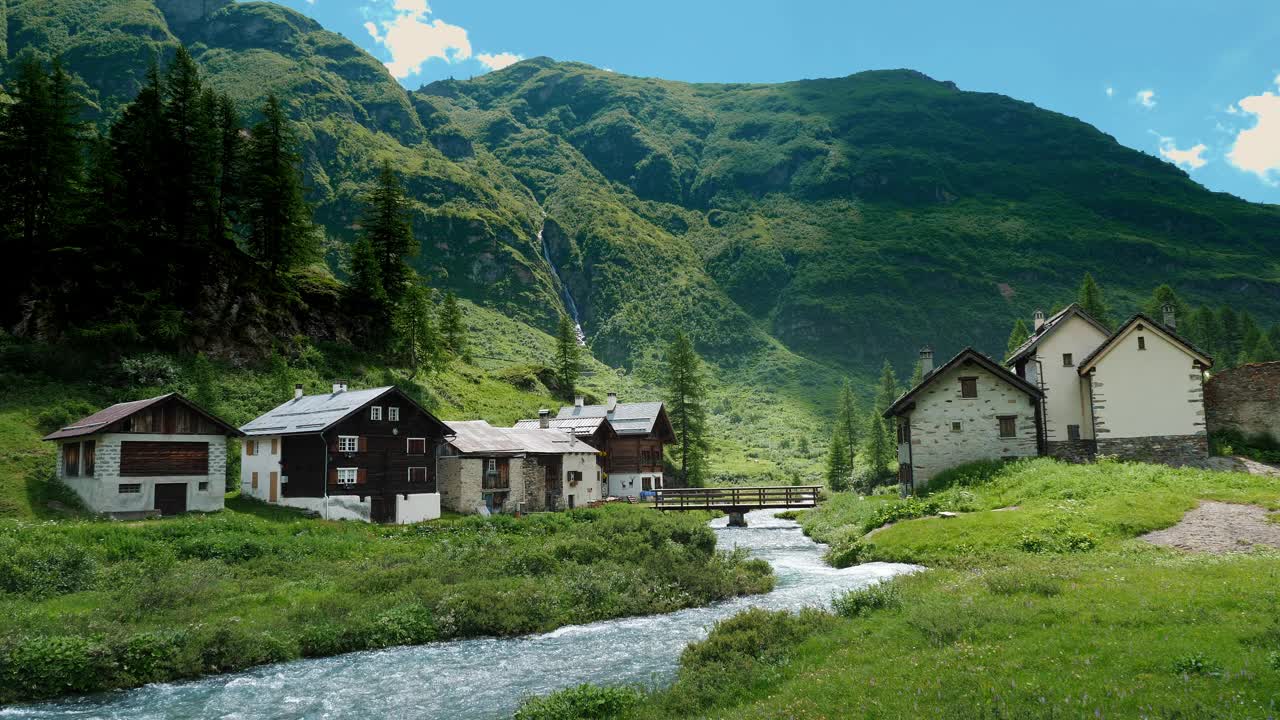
(967, 357)
(1140, 323)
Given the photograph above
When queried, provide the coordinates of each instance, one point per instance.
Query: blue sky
(1195, 82)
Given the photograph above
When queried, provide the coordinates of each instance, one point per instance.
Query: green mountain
(799, 231)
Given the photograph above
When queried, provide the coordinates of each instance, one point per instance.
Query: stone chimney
(1170, 316)
(612, 404)
(339, 387)
(578, 401)
(544, 418)
(1038, 318)
(297, 391)
(926, 360)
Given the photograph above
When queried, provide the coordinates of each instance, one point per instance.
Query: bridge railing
(785, 496)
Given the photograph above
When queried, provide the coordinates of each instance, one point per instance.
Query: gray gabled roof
(311, 413)
(578, 425)
(626, 418)
(1049, 326)
(1084, 365)
(105, 417)
(477, 437)
(907, 400)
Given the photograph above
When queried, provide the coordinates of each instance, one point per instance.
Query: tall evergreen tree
(390, 234)
(917, 374)
(686, 406)
(1164, 295)
(1228, 323)
(839, 469)
(848, 419)
(1250, 335)
(280, 231)
(415, 330)
(1092, 301)
(1273, 336)
(365, 296)
(1017, 336)
(192, 148)
(887, 389)
(453, 329)
(1205, 331)
(881, 450)
(568, 359)
(1263, 350)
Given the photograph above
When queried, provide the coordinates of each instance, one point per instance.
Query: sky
(1196, 82)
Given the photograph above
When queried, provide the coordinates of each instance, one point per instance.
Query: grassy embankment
(1051, 609)
(88, 605)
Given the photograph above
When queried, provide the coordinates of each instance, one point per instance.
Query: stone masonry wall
(1245, 399)
(535, 480)
(1076, 451)
(1172, 450)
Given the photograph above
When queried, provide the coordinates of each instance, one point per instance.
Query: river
(487, 677)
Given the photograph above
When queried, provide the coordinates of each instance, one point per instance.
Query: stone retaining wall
(1076, 451)
(1165, 449)
(1245, 399)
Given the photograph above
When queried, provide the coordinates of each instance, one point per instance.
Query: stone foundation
(1173, 450)
(1076, 451)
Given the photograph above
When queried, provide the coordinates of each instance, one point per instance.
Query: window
(204, 486)
(275, 446)
(393, 414)
(575, 477)
(1067, 360)
(375, 412)
(419, 476)
(647, 484)
(969, 387)
(956, 426)
(417, 446)
(1008, 426)
(71, 459)
(1142, 343)
(89, 453)
(493, 465)
(348, 443)
(129, 488)
(250, 447)
(1073, 432)
(347, 476)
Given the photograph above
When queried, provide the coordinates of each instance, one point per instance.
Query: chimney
(1039, 319)
(297, 391)
(1170, 316)
(613, 402)
(544, 418)
(578, 400)
(926, 360)
(339, 387)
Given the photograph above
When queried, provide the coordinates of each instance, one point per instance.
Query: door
(171, 498)
(274, 490)
(382, 509)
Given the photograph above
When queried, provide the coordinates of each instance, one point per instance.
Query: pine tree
(839, 464)
(453, 329)
(365, 294)
(1206, 332)
(1228, 324)
(1164, 295)
(686, 406)
(917, 374)
(191, 151)
(887, 389)
(1092, 301)
(1250, 336)
(568, 359)
(280, 231)
(848, 419)
(415, 330)
(1263, 350)
(1019, 335)
(881, 450)
(387, 226)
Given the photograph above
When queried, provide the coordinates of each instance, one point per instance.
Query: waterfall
(565, 294)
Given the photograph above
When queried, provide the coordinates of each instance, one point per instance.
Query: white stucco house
(516, 469)
(164, 455)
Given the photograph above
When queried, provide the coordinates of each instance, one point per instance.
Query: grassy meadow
(1039, 602)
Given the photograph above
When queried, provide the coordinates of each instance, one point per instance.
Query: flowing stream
(565, 294)
(487, 677)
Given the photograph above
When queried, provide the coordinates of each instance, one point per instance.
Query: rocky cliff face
(182, 14)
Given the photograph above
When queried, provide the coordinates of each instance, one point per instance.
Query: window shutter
(254, 481)
(333, 476)
(361, 474)
(275, 446)
(333, 444)
(364, 444)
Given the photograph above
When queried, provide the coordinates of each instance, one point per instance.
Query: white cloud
(1233, 110)
(497, 61)
(1146, 98)
(1257, 149)
(1192, 158)
(1110, 91)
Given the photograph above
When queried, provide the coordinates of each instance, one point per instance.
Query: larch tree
(567, 363)
(686, 406)
(1017, 336)
(415, 330)
(879, 445)
(1092, 301)
(280, 230)
(389, 231)
(366, 297)
(848, 419)
(839, 468)
(453, 329)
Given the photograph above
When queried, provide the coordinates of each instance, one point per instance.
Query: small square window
(129, 488)
(956, 426)
(1067, 360)
(969, 387)
(493, 465)
(416, 446)
(347, 476)
(1008, 427)
(1073, 432)
(393, 414)
(375, 412)
(1142, 343)
(203, 486)
(348, 443)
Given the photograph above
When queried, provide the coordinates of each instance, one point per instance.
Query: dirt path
(1219, 527)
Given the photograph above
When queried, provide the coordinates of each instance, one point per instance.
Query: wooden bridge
(737, 501)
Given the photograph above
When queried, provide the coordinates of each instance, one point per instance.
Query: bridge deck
(738, 499)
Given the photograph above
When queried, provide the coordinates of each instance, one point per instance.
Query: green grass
(1013, 618)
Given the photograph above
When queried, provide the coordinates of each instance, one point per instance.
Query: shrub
(1197, 664)
(892, 512)
(62, 413)
(1273, 659)
(1057, 541)
(152, 657)
(149, 369)
(588, 702)
(968, 475)
(229, 646)
(863, 601)
(40, 667)
(847, 553)
(43, 564)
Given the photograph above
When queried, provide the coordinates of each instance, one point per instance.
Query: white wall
(101, 493)
(589, 489)
(335, 507)
(264, 463)
(417, 508)
(1146, 393)
(630, 484)
(1066, 403)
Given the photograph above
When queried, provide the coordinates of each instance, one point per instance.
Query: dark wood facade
(389, 457)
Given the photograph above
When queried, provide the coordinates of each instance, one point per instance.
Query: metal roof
(626, 418)
(477, 437)
(100, 420)
(578, 425)
(311, 413)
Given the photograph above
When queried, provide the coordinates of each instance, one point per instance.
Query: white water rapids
(487, 677)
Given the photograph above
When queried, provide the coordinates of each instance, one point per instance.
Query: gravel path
(1219, 527)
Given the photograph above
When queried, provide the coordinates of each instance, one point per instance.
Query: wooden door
(171, 498)
(382, 509)
(274, 490)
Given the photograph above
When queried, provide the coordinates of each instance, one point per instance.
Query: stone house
(969, 409)
(506, 470)
(164, 455)
(346, 455)
(633, 450)
(1245, 400)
